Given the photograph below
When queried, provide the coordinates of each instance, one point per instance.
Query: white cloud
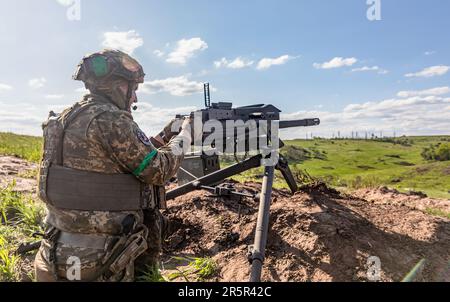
(433, 91)
(430, 72)
(177, 86)
(237, 63)
(5, 87)
(21, 117)
(126, 41)
(373, 68)
(158, 53)
(429, 52)
(428, 115)
(37, 83)
(152, 119)
(336, 62)
(186, 49)
(266, 63)
(54, 96)
(366, 68)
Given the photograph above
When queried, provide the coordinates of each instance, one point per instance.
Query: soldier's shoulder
(109, 118)
(98, 108)
(114, 115)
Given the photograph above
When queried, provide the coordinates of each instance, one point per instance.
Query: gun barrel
(299, 123)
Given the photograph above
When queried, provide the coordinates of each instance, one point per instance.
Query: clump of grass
(296, 154)
(20, 217)
(151, 274)
(205, 268)
(30, 174)
(301, 176)
(200, 268)
(368, 182)
(18, 209)
(9, 263)
(9, 266)
(437, 212)
(12, 266)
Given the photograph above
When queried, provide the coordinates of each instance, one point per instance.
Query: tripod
(257, 254)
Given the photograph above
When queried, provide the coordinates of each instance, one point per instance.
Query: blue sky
(320, 58)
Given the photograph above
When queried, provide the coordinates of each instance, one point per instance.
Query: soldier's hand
(173, 127)
(170, 130)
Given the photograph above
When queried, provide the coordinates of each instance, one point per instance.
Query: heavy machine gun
(201, 171)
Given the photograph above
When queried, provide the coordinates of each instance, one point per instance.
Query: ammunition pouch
(135, 246)
(121, 254)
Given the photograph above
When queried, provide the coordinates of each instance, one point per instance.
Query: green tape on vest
(145, 163)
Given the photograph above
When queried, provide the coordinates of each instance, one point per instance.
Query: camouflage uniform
(103, 138)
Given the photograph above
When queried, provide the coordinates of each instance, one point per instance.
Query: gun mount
(203, 172)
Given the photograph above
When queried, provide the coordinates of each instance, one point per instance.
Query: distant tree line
(438, 152)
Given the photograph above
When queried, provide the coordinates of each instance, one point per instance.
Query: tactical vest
(71, 189)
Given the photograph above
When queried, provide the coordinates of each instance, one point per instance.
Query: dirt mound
(414, 200)
(315, 235)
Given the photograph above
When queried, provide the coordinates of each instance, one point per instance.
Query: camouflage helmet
(100, 67)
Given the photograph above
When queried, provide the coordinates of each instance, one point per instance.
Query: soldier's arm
(164, 137)
(130, 147)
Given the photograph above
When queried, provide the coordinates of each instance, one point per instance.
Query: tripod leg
(283, 167)
(262, 225)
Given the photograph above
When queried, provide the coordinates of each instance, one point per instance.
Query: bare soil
(318, 234)
(19, 171)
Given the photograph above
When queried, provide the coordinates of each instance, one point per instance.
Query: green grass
(437, 212)
(200, 269)
(23, 146)
(20, 217)
(9, 266)
(18, 209)
(151, 274)
(358, 164)
(380, 163)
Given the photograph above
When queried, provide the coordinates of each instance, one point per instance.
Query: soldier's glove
(170, 130)
(191, 132)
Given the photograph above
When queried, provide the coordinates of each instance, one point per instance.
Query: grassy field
(349, 164)
(23, 146)
(358, 164)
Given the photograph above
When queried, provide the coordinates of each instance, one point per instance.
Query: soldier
(103, 180)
